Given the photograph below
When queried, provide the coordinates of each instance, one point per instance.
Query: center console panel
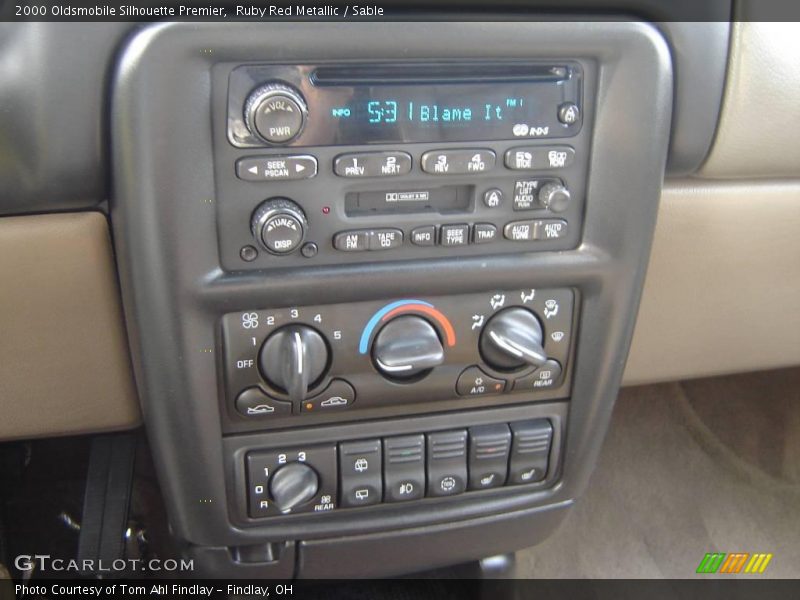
(388, 299)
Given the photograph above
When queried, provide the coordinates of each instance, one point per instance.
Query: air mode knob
(512, 339)
(279, 226)
(293, 485)
(275, 113)
(406, 347)
(293, 359)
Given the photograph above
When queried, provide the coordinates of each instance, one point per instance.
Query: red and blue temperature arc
(402, 306)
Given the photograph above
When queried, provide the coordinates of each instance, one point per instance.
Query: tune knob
(554, 196)
(406, 347)
(293, 485)
(279, 225)
(512, 339)
(294, 359)
(275, 113)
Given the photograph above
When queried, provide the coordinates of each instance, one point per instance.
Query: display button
(339, 395)
(530, 451)
(489, 447)
(276, 168)
(447, 463)
(474, 382)
(404, 468)
(255, 404)
(520, 231)
(352, 241)
(458, 162)
(528, 158)
(360, 473)
(385, 239)
(493, 198)
(424, 236)
(483, 233)
(454, 235)
(372, 164)
(282, 233)
(551, 229)
(546, 377)
(526, 194)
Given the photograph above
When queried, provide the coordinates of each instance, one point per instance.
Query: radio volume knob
(275, 113)
(279, 226)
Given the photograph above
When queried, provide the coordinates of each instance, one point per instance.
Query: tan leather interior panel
(722, 292)
(759, 130)
(64, 363)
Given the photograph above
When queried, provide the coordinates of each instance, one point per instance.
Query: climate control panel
(416, 353)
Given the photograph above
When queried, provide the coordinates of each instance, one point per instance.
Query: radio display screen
(406, 103)
(438, 113)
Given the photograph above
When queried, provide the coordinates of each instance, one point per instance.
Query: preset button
(458, 162)
(372, 164)
(528, 158)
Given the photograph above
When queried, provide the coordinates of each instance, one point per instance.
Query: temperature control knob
(554, 196)
(276, 113)
(293, 485)
(407, 346)
(293, 359)
(512, 339)
(279, 226)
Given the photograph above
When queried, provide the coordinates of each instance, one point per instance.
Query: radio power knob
(554, 196)
(279, 226)
(275, 113)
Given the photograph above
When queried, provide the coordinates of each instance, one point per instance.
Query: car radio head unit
(321, 164)
(399, 104)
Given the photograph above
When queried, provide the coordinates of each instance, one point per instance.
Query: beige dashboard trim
(758, 130)
(722, 292)
(64, 363)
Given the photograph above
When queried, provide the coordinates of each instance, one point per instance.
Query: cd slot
(436, 73)
(449, 199)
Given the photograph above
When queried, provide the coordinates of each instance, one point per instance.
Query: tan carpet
(687, 468)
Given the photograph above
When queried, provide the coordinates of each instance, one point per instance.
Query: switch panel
(396, 469)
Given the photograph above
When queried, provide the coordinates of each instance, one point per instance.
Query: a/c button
(474, 382)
